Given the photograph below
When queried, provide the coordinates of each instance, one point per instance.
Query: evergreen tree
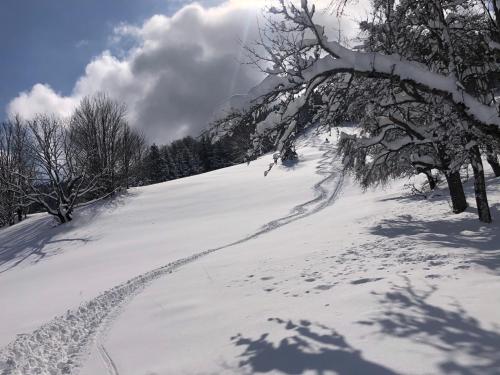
(170, 166)
(181, 158)
(154, 165)
(206, 153)
(193, 155)
(221, 157)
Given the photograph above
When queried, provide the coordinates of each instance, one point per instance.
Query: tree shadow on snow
(442, 194)
(291, 164)
(307, 347)
(28, 241)
(458, 231)
(407, 314)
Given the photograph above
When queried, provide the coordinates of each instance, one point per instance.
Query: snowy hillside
(230, 272)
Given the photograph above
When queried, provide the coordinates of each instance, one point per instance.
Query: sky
(172, 62)
(53, 40)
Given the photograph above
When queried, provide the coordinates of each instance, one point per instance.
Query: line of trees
(190, 156)
(51, 164)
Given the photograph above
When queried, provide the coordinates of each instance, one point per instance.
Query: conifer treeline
(189, 156)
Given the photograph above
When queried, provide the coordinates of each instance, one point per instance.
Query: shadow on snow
(407, 314)
(28, 240)
(457, 231)
(308, 347)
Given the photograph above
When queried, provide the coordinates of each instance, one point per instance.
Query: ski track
(108, 361)
(60, 346)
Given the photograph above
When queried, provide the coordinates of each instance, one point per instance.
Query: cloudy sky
(172, 62)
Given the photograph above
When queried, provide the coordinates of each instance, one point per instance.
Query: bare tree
(96, 131)
(55, 183)
(14, 161)
(132, 150)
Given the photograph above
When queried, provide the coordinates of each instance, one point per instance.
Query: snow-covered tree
(438, 53)
(303, 59)
(402, 136)
(450, 38)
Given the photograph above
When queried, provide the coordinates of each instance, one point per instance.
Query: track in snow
(59, 346)
(334, 178)
(108, 361)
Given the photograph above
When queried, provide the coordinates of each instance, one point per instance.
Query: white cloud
(182, 68)
(41, 98)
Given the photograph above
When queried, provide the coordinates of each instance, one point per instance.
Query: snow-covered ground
(231, 272)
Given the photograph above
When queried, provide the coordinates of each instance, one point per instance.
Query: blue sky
(51, 41)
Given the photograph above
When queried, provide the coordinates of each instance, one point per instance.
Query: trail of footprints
(357, 265)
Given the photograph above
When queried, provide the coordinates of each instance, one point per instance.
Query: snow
(230, 272)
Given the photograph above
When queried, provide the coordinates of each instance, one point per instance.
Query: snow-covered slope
(231, 272)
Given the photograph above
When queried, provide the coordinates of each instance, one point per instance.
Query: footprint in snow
(433, 276)
(365, 280)
(324, 287)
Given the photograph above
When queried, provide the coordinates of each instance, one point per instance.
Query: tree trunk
(492, 159)
(64, 218)
(430, 179)
(19, 214)
(457, 194)
(64, 214)
(483, 208)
